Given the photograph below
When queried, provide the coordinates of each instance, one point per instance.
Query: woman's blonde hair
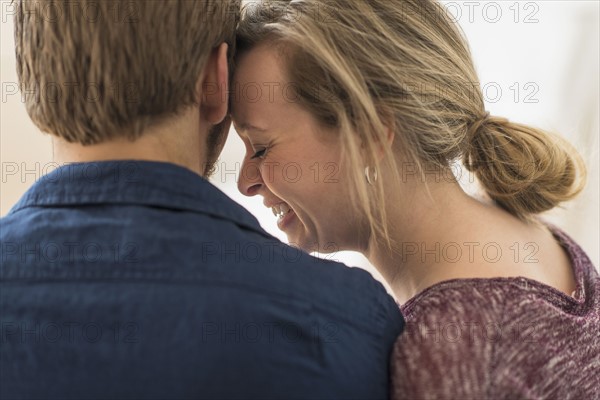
(365, 66)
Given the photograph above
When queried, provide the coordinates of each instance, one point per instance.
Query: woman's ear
(390, 134)
(386, 140)
(214, 86)
(389, 124)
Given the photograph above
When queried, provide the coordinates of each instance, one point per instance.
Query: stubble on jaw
(217, 136)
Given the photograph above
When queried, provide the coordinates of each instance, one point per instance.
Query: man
(125, 274)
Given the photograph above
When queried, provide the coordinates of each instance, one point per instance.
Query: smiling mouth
(281, 210)
(285, 215)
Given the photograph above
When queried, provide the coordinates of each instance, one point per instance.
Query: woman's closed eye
(260, 153)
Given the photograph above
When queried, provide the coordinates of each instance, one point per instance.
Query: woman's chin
(299, 237)
(311, 245)
(302, 242)
(299, 244)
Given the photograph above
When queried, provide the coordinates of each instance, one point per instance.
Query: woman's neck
(438, 232)
(418, 226)
(443, 233)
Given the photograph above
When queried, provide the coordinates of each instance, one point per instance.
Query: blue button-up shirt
(129, 279)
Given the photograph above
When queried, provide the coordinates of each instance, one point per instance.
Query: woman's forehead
(262, 64)
(260, 92)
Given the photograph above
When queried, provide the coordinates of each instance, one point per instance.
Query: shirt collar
(145, 183)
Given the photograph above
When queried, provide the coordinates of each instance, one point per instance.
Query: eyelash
(260, 154)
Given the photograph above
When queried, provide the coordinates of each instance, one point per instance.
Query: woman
(352, 113)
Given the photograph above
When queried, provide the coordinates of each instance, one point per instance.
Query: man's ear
(214, 86)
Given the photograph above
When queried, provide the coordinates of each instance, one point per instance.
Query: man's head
(94, 71)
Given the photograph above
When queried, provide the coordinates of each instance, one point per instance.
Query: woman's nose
(250, 180)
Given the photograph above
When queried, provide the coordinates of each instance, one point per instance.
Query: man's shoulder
(166, 248)
(263, 263)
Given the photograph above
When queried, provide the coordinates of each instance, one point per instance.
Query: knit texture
(502, 338)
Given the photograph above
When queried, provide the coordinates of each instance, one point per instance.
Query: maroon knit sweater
(502, 338)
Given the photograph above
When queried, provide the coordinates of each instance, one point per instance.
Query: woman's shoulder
(469, 317)
(472, 296)
(445, 350)
(485, 298)
(487, 338)
(505, 337)
(482, 337)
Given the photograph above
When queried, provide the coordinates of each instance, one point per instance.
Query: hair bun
(477, 126)
(524, 169)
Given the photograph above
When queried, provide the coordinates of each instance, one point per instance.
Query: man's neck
(177, 141)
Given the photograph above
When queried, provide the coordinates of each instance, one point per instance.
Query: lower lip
(286, 221)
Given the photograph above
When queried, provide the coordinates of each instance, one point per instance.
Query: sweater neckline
(578, 260)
